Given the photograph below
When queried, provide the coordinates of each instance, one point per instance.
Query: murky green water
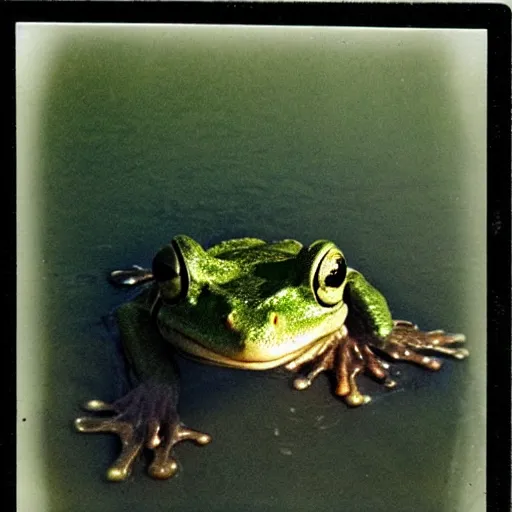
(219, 133)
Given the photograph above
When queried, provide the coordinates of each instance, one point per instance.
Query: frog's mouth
(194, 350)
(247, 359)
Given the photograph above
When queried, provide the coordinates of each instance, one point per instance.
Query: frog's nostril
(230, 322)
(274, 319)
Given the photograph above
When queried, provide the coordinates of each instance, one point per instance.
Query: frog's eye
(170, 272)
(329, 279)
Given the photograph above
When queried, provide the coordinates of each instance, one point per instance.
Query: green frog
(249, 304)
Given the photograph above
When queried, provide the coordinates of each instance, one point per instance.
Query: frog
(248, 304)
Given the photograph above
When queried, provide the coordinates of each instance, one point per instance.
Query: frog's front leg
(369, 328)
(147, 416)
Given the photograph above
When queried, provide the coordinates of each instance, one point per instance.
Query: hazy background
(374, 138)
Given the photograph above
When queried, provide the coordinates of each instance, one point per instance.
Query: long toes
(88, 424)
(324, 363)
(350, 365)
(440, 338)
(164, 465)
(405, 339)
(404, 354)
(343, 371)
(437, 342)
(183, 433)
(122, 467)
(374, 365)
(413, 337)
(305, 381)
(347, 388)
(458, 353)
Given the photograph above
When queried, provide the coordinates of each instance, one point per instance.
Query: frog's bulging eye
(170, 272)
(330, 278)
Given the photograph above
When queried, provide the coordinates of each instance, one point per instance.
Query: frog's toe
(436, 341)
(183, 433)
(164, 465)
(321, 364)
(400, 353)
(407, 342)
(351, 361)
(121, 469)
(87, 424)
(131, 443)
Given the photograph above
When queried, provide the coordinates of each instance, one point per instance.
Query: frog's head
(251, 306)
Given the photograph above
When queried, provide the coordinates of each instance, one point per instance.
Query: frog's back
(254, 250)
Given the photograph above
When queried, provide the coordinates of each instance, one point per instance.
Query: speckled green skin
(267, 292)
(370, 304)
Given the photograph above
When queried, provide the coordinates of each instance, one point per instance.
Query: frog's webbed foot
(348, 356)
(406, 342)
(145, 417)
